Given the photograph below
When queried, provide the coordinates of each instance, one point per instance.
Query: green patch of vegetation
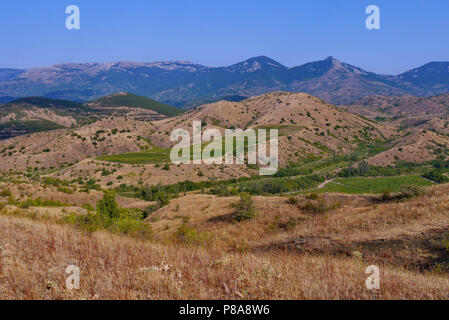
(405, 193)
(280, 185)
(154, 156)
(189, 235)
(5, 193)
(132, 100)
(280, 224)
(30, 126)
(39, 202)
(317, 204)
(65, 190)
(47, 103)
(111, 217)
(245, 209)
(377, 185)
(436, 176)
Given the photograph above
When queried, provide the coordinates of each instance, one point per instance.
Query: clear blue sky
(219, 33)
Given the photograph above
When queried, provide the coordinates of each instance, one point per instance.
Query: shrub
(107, 206)
(111, 217)
(88, 207)
(290, 224)
(385, 196)
(5, 193)
(245, 209)
(313, 196)
(319, 205)
(89, 222)
(189, 235)
(405, 193)
(65, 190)
(409, 192)
(105, 173)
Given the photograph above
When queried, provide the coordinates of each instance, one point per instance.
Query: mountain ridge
(182, 81)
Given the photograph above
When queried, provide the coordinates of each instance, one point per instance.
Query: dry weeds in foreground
(34, 255)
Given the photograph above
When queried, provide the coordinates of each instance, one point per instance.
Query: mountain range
(181, 83)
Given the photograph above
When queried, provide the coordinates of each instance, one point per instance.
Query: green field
(154, 156)
(159, 155)
(360, 185)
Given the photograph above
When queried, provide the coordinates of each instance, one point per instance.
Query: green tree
(108, 207)
(363, 167)
(245, 209)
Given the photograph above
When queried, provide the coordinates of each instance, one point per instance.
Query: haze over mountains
(182, 83)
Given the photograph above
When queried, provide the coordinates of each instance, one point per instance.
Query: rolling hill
(431, 113)
(36, 114)
(310, 131)
(129, 101)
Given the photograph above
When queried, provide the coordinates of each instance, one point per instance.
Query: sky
(220, 33)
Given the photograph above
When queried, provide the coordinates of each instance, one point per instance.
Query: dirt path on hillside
(321, 186)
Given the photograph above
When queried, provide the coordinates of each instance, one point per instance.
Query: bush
(107, 206)
(89, 222)
(189, 235)
(245, 209)
(111, 217)
(290, 224)
(5, 193)
(405, 193)
(409, 192)
(65, 190)
(88, 207)
(319, 205)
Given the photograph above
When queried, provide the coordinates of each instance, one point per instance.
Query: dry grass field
(210, 256)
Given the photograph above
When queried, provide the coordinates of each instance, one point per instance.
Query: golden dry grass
(241, 260)
(34, 256)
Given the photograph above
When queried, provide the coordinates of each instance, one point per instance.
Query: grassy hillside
(46, 103)
(132, 100)
(36, 114)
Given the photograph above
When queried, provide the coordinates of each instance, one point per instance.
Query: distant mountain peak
(180, 82)
(330, 58)
(256, 63)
